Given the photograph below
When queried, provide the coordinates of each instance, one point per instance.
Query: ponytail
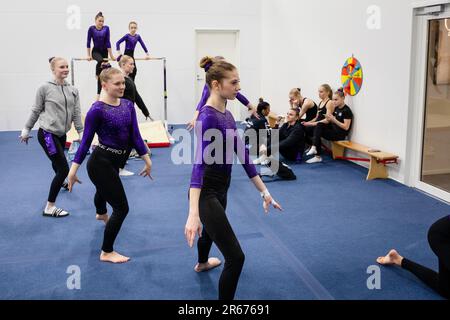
(262, 106)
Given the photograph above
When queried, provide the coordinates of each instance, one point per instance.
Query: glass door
(435, 167)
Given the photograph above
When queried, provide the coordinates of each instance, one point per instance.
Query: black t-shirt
(343, 113)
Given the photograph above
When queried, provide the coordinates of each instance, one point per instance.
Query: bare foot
(211, 264)
(102, 217)
(113, 257)
(391, 258)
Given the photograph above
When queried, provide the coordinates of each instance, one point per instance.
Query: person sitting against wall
(306, 106)
(326, 107)
(334, 127)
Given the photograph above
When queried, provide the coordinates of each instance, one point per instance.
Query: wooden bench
(378, 160)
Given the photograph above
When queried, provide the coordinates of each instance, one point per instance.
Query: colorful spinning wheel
(352, 76)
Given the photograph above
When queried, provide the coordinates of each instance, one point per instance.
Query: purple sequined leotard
(100, 37)
(212, 121)
(116, 128)
(131, 42)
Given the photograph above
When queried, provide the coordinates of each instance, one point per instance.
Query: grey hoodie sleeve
(37, 108)
(77, 113)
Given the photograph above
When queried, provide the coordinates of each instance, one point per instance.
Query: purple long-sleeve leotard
(101, 38)
(131, 42)
(116, 127)
(223, 123)
(206, 94)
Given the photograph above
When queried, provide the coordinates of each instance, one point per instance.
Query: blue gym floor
(334, 226)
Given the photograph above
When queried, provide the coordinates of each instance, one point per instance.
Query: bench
(378, 159)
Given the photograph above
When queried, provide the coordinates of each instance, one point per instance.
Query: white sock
(312, 151)
(49, 209)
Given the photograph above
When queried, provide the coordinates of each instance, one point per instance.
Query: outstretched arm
(143, 45)
(118, 43)
(242, 99)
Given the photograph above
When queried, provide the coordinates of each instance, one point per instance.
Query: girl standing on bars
(100, 35)
(131, 39)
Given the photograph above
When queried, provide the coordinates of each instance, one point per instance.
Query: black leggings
(439, 240)
(329, 132)
(217, 229)
(309, 134)
(99, 56)
(289, 150)
(54, 149)
(103, 169)
(131, 54)
(256, 137)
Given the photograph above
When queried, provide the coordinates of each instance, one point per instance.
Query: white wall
(305, 44)
(38, 30)
(284, 44)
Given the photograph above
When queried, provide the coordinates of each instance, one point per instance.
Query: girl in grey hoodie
(57, 106)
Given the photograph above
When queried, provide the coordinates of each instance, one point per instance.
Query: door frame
(417, 99)
(235, 111)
